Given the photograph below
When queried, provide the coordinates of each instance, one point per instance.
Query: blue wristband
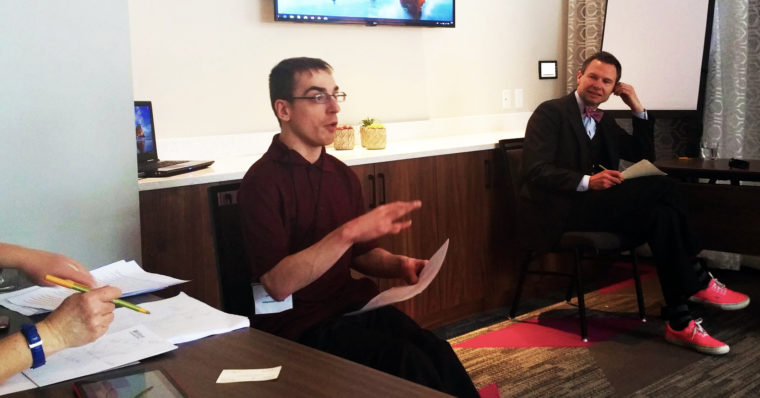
(35, 344)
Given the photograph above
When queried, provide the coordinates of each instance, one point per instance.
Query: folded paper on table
(401, 293)
(179, 319)
(642, 168)
(127, 276)
(239, 375)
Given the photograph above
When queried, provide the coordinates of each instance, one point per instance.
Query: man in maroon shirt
(305, 228)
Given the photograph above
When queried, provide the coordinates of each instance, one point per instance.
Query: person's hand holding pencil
(604, 179)
(84, 289)
(80, 319)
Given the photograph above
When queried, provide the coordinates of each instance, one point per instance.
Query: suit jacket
(556, 155)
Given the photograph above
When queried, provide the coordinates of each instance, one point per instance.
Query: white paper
(127, 276)
(16, 383)
(107, 352)
(239, 375)
(28, 311)
(263, 303)
(179, 319)
(642, 168)
(401, 293)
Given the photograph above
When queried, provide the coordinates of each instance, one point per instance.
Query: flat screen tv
(370, 12)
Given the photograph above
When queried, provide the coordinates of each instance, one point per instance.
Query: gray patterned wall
(732, 109)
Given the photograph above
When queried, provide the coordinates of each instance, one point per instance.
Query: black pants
(651, 210)
(388, 340)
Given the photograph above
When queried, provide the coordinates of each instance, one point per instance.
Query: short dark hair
(282, 77)
(606, 58)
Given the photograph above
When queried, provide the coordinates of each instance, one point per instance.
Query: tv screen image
(371, 12)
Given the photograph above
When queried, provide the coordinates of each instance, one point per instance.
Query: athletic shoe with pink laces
(696, 337)
(718, 295)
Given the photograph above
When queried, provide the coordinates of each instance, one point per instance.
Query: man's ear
(578, 76)
(282, 110)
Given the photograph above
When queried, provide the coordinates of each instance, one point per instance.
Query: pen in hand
(84, 289)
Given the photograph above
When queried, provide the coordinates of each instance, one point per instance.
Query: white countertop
(405, 141)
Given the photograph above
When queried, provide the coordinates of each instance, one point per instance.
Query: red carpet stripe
(551, 332)
(489, 391)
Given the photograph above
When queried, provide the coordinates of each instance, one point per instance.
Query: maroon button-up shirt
(287, 204)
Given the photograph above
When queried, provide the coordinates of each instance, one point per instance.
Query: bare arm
(302, 268)
(80, 319)
(37, 263)
(381, 263)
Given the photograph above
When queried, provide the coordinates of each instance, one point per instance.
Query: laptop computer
(148, 164)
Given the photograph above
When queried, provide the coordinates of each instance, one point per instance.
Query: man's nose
(333, 106)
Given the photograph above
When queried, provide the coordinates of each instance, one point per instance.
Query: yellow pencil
(603, 168)
(84, 289)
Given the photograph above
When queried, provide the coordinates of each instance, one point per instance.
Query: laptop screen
(145, 132)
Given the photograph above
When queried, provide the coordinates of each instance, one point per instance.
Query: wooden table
(717, 169)
(725, 217)
(306, 372)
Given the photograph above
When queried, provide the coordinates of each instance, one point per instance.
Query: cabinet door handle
(381, 177)
(372, 203)
(489, 174)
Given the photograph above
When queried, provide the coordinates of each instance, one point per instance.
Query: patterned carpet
(624, 356)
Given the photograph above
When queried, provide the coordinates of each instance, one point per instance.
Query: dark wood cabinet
(176, 234)
(458, 200)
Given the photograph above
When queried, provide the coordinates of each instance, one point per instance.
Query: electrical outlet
(506, 98)
(518, 98)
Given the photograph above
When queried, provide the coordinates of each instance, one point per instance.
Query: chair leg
(637, 280)
(571, 286)
(579, 286)
(520, 282)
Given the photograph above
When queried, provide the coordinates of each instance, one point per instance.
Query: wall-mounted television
(438, 13)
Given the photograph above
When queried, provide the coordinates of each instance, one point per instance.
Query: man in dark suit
(570, 181)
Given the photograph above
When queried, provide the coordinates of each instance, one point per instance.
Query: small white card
(239, 375)
(265, 304)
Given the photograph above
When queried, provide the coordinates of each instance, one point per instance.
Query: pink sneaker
(696, 337)
(718, 295)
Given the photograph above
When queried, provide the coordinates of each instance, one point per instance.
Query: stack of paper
(131, 337)
(127, 276)
(179, 319)
(110, 351)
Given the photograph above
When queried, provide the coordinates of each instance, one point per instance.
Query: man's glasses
(324, 98)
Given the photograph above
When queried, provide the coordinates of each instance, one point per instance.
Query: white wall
(204, 63)
(67, 152)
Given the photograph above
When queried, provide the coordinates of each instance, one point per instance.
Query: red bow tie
(595, 114)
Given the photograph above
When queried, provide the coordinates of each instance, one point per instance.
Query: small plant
(370, 124)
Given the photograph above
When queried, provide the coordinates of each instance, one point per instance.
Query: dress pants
(387, 340)
(650, 210)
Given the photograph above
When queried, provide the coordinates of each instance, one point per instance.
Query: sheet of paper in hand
(642, 168)
(401, 293)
